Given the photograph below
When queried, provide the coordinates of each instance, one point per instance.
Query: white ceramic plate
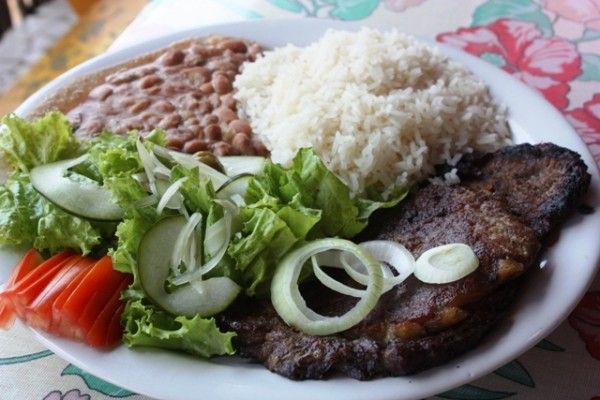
(549, 296)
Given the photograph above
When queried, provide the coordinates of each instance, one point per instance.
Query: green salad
(195, 235)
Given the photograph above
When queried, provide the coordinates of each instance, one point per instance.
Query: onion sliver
(148, 165)
(387, 253)
(218, 234)
(204, 298)
(183, 241)
(169, 194)
(189, 162)
(445, 264)
(332, 283)
(291, 307)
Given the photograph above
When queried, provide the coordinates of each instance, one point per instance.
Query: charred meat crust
(541, 183)
(507, 203)
(264, 337)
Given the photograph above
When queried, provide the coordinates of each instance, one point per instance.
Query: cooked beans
(240, 126)
(213, 132)
(187, 92)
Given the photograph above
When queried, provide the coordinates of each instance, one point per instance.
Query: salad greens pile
(282, 208)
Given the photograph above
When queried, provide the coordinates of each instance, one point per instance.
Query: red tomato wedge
(30, 260)
(89, 298)
(41, 307)
(28, 263)
(27, 288)
(67, 295)
(98, 336)
(115, 330)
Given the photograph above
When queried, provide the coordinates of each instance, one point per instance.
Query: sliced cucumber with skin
(82, 197)
(235, 187)
(200, 297)
(238, 165)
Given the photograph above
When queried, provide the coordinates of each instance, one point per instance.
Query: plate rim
(103, 60)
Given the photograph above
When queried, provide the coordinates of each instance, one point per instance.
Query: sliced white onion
(162, 172)
(388, 253)
(189, 162)
(169, 195)
(216, 240)
(146, 201)
(445, 264)
(148, 165)
(234, 212)
(238, 200)
(332, 283)
(291, 307)
(180, 249)
(140, 177)
(162, 152)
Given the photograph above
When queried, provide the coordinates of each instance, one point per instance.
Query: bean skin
(213, 132)
(240, 126)
(101, 92)
(228, 101)
(260, 149)
(242, 144)
(209, 119)
(172, 57)
(126, 102)
(194, 146)
(164, 106)
(221, 84)
(170, 121)
(221, 148)
(140, 105)
(235, 45)
(92, 125)
(175, 141)
(225, 114)
(207, 88)
(149, 81)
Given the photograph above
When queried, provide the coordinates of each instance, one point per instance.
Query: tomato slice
(97, 336)
(89, 297)
(68, 295)
(115, 330)
(28, 263)
(26, 290)
(61, 326)
(40, 309)
(7, 315)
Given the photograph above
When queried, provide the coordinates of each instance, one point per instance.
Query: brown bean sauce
(187, 92)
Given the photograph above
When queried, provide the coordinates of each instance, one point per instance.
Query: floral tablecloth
(551, 45)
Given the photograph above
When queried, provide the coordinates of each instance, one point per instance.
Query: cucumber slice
(238, 165)
(235, 188)
(200, 297)
(76, 195)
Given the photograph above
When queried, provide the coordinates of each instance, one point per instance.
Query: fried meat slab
(504, 207)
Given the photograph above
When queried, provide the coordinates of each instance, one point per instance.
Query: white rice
(379, 108)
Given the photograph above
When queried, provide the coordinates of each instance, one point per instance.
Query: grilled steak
(540, 183)
(499, 209)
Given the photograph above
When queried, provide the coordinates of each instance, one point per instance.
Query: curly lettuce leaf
(147, 326)
(116, 156)
(26, 218)
(20, 208)
(57, 230)
(44, 140)
(265, 237)
(310, 184)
